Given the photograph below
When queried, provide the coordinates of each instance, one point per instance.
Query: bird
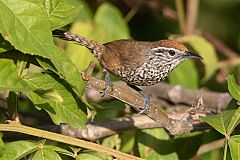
(138, 63)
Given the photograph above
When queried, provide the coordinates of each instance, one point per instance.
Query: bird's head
(172, 52)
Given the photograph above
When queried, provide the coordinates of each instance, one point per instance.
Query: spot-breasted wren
(138, 63)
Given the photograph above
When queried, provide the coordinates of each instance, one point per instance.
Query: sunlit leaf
(235, 120)
(46, 154)
(17, 149)
(127, 141)
(49, 94)
(70, 110)
(234, 145)
(205, 49)
(233, 87)
(89, 156)
(60, 13)
(185, 75)
(9, 79)
(1, 143)
(221, 121)
(110, 20)
(4, 45)
(25, 25)
(112, 141)
(59, 150)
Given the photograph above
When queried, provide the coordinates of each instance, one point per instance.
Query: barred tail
(93, 46)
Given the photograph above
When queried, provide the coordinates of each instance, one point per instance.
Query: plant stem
(180, 14)
(133, 11)
(14, 127)
(191, 16)
(225, 150)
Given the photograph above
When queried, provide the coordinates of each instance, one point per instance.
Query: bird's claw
(146, 103)
(108, 84)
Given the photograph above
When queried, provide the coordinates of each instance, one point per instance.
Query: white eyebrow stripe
(159, 53)
(176, 50)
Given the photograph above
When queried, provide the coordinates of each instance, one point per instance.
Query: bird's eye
(171, 53)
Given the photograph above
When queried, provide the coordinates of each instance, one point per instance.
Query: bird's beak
(191, 55)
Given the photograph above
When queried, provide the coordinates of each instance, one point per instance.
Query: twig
(65, 139)
(229, 63)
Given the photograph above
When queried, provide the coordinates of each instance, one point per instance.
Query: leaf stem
(14, 127)
(225, 150)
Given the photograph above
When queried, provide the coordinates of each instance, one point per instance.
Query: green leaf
(181, 76)
(60, 13)
(204, 49)
(75, 149)
(90, 156)
(156, 144)
(221, 121)
(188, 144)
(111, 141)
(80, 55)
(12, 104)
(46, 154)
(49, 94)
(3, 118)
(9, 79)
(233, 88)
(25, 25)
(85, 13)
(110, 20)
(234, 145)
(68, 110)
(235, 120)
(127, 141)
(1, 143)
(59, 150)
(4, 45)
(17, 150)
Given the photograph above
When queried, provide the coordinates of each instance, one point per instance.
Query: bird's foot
(146, 103)
(108, 83)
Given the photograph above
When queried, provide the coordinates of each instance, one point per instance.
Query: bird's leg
(88, 72)
(146, 98)
(108, 82)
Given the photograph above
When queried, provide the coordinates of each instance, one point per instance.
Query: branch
(174, 126)
(97, 130)
(163, 94)
(65, 139)
(177, 94)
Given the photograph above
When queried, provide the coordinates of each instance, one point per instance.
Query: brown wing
(125, 53)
